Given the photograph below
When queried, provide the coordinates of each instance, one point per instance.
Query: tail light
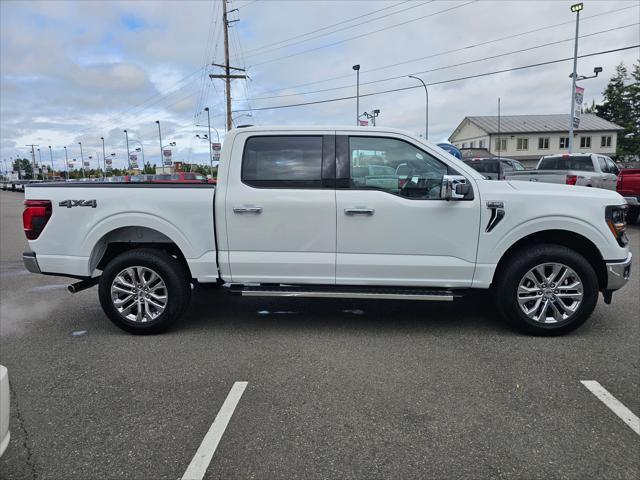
(572, 179)
(616, 217)
(35, 216)
(619, 183)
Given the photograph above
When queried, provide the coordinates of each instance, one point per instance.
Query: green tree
(23, 164)
(617, 107)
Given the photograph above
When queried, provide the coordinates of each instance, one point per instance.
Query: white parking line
(614, 404)
(200, 462)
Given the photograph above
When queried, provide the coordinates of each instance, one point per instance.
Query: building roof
(541, 123)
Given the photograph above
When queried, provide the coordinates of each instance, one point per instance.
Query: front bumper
(618, 273)
(31, 262)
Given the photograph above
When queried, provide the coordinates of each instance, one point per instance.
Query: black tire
(521, 262)
(632, 215)
(172, 273)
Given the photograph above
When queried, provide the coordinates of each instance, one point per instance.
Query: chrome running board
(322, 291)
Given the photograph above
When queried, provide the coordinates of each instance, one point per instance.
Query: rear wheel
(144, 291)
(547, 290)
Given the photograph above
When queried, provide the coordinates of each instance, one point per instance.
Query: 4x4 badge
(78, 203)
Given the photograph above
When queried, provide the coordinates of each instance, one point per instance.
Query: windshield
(561, 162)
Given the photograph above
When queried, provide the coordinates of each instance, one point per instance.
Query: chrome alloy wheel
(550, 293)
(139, 294)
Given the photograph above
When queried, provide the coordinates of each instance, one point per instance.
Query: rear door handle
(359, 211)
(247, 209)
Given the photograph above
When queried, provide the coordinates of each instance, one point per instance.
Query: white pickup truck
(581, 169)
(333, 212)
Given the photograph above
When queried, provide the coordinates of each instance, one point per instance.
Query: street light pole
(426, 110)
(81, 158)
(160, 135)
(104, 157)
(126, 136)
(51, 158)
(66, 161)
(41, 165)
(209, 141)
(357, 69)
(574, 8)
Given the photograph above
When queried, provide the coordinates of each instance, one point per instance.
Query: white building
(529, 137)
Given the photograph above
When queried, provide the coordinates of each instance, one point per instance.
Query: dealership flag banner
(133, 160)
(108, 163)
(87, 165)
(166, 157)
(216, 147)
(578, 98)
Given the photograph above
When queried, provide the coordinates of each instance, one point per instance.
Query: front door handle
(247, 209)
(359, 211)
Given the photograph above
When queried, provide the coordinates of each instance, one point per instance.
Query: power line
(364, 34)
(468, 77)
(491, 57)
(455, 50)
(264, 49)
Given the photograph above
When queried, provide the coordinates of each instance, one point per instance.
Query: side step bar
(323, 291)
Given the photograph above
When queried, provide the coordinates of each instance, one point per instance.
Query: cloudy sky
(76, 71)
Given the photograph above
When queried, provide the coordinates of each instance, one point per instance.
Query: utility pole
(33, 156)
(227, 69)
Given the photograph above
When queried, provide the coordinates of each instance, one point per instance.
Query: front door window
(394, 166)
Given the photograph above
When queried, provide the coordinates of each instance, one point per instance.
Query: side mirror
(454, 187)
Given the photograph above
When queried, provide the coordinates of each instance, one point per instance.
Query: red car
(628, 186)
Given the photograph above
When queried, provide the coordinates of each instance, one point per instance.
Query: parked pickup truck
(294, 215)
(583, 169)
(629, 187)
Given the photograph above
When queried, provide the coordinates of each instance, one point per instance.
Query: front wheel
(547, 290)
(144, 291)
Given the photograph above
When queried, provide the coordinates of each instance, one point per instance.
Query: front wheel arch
(565, 238)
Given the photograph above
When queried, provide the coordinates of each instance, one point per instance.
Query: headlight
(616, 217)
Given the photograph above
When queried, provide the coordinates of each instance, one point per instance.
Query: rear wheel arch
(572, 240)
(123, 239)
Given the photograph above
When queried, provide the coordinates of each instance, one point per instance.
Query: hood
(566, 191)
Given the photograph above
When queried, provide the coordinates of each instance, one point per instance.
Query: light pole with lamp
(104, 157)
(576, 8)
(81, 159)
(41, 165)
(51, 158)
(126, 136)
(206, 109)
(66, 161)
(357, 69)
(160, 136)
(426, 110)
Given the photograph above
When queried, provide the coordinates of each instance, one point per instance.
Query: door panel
(279, 232)
(403, 236)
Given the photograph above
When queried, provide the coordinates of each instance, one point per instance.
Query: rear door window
(283, 161)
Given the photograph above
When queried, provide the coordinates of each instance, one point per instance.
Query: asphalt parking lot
(335, 389)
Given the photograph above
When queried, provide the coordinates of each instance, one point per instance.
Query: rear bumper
(31, 262)
(618, 273)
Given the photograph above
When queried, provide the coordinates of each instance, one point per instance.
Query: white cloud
(76, 71)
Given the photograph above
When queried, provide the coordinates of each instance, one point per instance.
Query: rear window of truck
(484, 166)
(560, 162)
